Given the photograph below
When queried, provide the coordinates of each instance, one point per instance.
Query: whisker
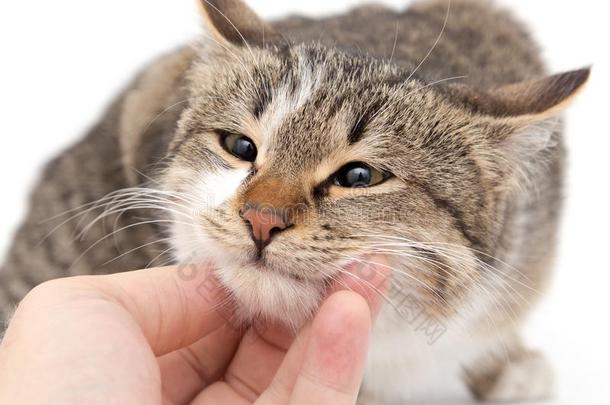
(436, 42)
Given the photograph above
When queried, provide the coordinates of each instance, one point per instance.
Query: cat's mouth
(263, 263)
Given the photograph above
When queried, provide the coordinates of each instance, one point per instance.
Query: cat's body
(516, 226)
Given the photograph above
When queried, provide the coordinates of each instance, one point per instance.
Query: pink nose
(264, 224)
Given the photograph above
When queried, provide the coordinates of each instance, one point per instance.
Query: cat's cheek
(208, 191)
(215, 188)
(189, 244)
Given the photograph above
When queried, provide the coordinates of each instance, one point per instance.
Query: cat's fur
(467, 124)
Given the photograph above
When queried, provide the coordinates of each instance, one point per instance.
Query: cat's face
(293, 161)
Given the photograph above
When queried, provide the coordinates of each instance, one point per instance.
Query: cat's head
(294, 160)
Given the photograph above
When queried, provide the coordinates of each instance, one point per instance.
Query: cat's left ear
(233, 22)
(526, 114)
(536, 99)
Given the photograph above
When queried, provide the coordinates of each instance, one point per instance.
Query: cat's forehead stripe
(289, 97)
(361, 121)
(263, 99)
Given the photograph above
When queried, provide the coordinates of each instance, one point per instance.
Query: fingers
(258, 357)
(220, 393)
(282, 384)
(187, 371)
(256, 361)
(333, 363)
(173, 308)
(324, 364)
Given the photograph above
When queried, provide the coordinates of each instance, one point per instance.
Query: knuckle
(50, 292)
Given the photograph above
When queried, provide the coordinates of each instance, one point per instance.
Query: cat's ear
(526, 115)
(538, 99)
(233, 22)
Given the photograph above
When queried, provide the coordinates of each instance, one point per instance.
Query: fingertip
(370, 277)
(344, 309)
(342, 328)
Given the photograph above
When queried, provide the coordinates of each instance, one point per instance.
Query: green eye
(239, 146)
(358, 175)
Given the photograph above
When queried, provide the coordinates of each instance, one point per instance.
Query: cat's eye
(358, 174)
(240, 146)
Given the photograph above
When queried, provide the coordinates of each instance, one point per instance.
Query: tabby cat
(281, 152)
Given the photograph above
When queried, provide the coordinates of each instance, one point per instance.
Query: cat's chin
(262, 293)
(270, 296)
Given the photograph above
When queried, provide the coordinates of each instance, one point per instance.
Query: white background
(61, 61)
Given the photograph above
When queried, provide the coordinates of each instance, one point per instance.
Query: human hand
(150, 337)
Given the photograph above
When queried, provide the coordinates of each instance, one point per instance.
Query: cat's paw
(525, 377)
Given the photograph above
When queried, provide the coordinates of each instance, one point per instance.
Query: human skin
(157, 337)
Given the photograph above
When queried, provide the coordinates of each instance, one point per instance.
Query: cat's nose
(264, 224)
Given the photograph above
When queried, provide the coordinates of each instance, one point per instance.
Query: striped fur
(452, 101)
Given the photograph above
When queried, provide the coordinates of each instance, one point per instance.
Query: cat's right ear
(233, 22)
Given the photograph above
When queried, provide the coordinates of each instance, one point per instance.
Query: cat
(281, 152)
